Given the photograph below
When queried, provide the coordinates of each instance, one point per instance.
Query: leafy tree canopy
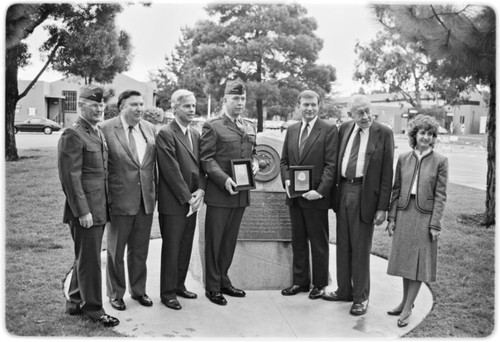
(272, 47)
(461, 39)
(83, 41)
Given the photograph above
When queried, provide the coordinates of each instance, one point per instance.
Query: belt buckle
(350, 180)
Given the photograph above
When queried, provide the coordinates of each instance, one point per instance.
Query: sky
(156, 30)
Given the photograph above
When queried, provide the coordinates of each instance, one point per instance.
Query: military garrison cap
(91, 92)
(235, 87)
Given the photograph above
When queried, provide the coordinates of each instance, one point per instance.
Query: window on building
(70, 101)
(462, 119)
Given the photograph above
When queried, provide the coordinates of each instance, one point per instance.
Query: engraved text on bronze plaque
(267, 218)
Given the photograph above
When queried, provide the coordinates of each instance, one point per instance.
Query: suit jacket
(432, 172)
(222, 141)
(378, 169)
(320, 151)
(179, 168)
(128, 181)
(82, 164)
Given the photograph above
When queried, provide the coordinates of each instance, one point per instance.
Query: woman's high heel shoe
(394, 312)
(397, 312)
(404, 322)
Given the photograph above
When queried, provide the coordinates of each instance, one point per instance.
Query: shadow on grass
(23, 158)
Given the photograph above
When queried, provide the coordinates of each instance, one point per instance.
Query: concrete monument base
(257, 265)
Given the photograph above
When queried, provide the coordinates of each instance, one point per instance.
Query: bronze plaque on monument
(266, 219)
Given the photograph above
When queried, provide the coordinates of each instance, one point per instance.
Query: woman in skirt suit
(414, 221)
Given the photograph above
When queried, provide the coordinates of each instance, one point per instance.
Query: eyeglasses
(361, 112)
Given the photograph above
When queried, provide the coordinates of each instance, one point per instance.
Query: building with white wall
(58, 100)
(469, 117)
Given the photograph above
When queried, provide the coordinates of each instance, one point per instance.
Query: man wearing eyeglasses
(82, 164)
(132, 198)
(364, 180)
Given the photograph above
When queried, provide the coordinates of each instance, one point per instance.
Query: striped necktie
(131, 142)
(303, 138)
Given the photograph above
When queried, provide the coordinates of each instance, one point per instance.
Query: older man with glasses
(364, 178)
(82, 163)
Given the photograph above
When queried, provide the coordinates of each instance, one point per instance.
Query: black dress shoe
(172, 304)
(358, 309)
(233, 291)
(187, 294)
(73, 309)
(107, 321)
(334, 297)
(294, 289)
(117, 304)
(216, 297)
(316, 292)
(143, 300)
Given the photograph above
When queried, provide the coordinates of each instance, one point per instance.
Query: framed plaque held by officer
(301, 180)
(242, 174)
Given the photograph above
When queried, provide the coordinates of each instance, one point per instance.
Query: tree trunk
(259, 102)
(11, 98)
(260, 115)
(489, 215)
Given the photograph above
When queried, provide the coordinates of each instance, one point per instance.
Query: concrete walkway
(267, 314)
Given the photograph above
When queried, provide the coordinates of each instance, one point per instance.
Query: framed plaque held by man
(301, 180)
(242, 174)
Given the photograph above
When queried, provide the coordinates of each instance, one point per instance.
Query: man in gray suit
(132, 197)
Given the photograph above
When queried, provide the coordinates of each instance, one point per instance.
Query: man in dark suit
(224, 138)
(180, 189)
(82, 164)
(132, 197)
(364, 178)
(311, 142)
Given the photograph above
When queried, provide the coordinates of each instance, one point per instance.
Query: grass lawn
(38, 253)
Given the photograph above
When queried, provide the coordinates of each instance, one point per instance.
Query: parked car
(270, 124)
(37, 124)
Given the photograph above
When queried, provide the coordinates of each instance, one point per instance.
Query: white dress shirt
(140, 141)
(184, 129)
(309, 128)
(363, 142)
(419, 156)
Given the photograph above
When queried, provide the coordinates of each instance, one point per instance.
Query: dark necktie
(132, 145)
(353, 157)
(190, 144)
(303, 138)
(238, 124)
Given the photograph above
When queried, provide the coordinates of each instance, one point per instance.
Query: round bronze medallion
(269, 163)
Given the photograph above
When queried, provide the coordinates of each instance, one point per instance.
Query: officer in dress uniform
(82, 165)
(223, 139)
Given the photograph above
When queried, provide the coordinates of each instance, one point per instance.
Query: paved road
(467, 163)
(25, 140)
